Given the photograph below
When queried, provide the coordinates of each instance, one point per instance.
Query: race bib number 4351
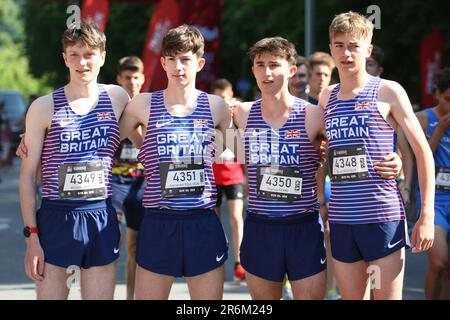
(282, 184)
(348, 164)
(182, 179)
(81, 180)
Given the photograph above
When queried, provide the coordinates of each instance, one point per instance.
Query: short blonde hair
(351, 23)
(276, 46)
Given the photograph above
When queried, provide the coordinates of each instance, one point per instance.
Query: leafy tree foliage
(14, 66)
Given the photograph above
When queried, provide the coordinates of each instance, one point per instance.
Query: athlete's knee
(439, 264)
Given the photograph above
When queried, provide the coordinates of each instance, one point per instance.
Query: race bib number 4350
(81, 180)
(282, 184)
(182, 179)
(348, 164)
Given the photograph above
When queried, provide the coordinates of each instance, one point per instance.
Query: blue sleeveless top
(78, 150)
(178, 153)
(281, 163)
(441, 159)
(358, 137)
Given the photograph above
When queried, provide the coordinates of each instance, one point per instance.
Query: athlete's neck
(352, 84)
(75, 91)
(276, 109)
(176, 95)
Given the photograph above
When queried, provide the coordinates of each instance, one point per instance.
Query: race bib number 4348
(81, 180)
(348, 164)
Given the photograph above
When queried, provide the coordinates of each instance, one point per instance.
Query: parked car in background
(14, 110)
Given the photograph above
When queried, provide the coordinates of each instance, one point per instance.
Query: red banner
(206, 15)
(431, 61)
(98, 10)
(166, 16)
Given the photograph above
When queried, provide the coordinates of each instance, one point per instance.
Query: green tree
(46, 21)
(14, 66)
(403, 25)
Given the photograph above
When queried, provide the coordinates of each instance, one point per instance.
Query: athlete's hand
(22, 150)
(422, 236)
(232, 104)
(34, 260)
(324, 213)
(323, 152)
(389, 167)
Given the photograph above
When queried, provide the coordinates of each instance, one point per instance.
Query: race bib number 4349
(81, 180)
(348, 164)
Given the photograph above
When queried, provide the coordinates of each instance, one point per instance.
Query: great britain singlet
(441, 159)
(178, 153)
(281, 163)
(358, 137)
(78, 150)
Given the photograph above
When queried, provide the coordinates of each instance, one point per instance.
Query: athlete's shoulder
(325, 95)
(241, 112)
(41, 110)
(216, 101)
(42, 104)
(390, 85)
(142, 97)
(392, 92)
(117, 93)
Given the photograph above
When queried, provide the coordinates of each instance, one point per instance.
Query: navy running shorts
(181, 243)
(370, 241)
(272, 247)
(78, 233)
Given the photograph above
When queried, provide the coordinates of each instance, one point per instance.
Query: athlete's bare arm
(119, 98)
(402, 113)
(38, 121)
(226, 134)
(134, 117)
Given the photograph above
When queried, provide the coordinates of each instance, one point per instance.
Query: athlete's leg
(391, 273)
(98, 283)
(352, 279)
(54, 286)
(437, 263)
(235, 208)
(130, 273)
(262, 289)
(310, 288)
(331, 286)
(445, 293)
(152, 286)
(207, 286)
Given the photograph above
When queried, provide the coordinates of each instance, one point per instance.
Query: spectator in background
(229, 176)
(321, 66)
(298, 84)
(374, 63)
(128, 173)
(435, 122)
